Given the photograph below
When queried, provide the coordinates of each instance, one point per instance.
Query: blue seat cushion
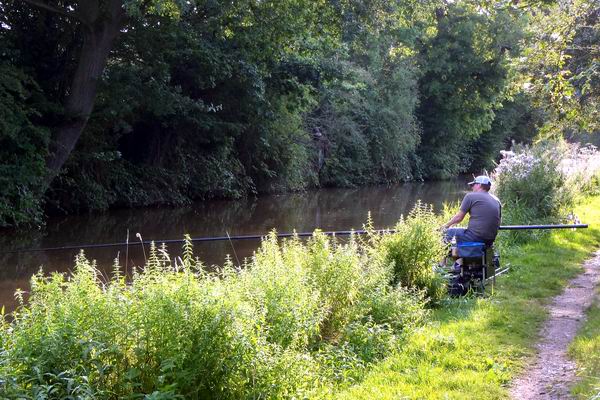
(471, 249)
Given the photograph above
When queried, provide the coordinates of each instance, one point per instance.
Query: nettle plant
(412, 250)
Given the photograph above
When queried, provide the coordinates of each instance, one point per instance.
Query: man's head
(481, 183)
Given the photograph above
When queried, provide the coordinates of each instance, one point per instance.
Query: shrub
(541, 183)
(530, 178)
(300, 316)
(413, 250)
(341, 276)
(276, 283)
(581, 165)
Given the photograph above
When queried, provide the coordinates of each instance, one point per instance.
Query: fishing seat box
(471, 249)
(478, 255)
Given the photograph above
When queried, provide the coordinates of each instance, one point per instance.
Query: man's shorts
(462, 235)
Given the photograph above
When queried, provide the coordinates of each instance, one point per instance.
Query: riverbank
(551, 374)
(317, 320)
(299, 316)
(326, 209)
(474, 347)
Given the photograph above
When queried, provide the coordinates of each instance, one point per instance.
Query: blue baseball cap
(481, 179)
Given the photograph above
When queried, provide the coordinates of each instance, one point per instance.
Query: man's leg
(457, 233)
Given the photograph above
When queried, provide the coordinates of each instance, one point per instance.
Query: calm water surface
(327, 209)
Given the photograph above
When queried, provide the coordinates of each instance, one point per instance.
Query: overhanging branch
(57, 10)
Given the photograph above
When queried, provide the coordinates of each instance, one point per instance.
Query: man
(485, 212)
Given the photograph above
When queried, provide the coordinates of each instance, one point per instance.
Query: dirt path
(551, 373)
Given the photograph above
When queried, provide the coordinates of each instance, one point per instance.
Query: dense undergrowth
(298, 318)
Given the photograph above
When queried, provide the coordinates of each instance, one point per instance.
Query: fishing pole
(259, 237)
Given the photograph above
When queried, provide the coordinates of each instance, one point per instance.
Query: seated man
(485, 212)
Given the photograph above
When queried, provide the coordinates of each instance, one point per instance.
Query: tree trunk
(99, 34)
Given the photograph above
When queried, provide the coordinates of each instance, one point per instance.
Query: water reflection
(328, 209)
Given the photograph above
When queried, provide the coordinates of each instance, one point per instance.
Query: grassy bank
(585, 350)
(472, 348)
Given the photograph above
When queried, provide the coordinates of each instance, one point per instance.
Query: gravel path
(551, 373)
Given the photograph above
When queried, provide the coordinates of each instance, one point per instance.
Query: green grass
(474, 347)
(585, 350)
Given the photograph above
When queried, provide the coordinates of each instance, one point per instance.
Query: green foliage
(277, 284)
(23, 147)
(297, 319)
(463, 81)
(367, 118)
(559, 67)
(532, 179)
(514, 122)
(413, 251)
(234, 99)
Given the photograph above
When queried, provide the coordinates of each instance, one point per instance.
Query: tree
(464, 80)
(368, 93)
(559, 66)
(99, 22)
(23, 146)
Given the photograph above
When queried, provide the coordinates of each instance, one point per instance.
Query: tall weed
(299, 317)
(341, 276)
(276, 284)
(412, 251)
(542, 183)
(531, 178)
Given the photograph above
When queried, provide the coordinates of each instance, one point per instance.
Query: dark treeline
(122, 103)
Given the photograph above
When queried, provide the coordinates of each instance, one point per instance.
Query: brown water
(327, 209)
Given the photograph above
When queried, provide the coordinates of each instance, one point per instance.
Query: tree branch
(54, 9)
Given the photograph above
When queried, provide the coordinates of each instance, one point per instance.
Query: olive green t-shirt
(485, 213)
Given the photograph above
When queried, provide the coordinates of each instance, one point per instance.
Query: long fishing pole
(259, 237)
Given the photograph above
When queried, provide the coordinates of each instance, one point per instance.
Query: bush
(342, 277)
(530, 178)
(276, 283)
(541, 184)
(581, 164)
(413, 250)
(300, 316)
(167, 333)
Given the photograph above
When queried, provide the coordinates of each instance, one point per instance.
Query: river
(327, 209)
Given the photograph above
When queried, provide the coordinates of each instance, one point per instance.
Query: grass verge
(474, 347)
(585, 350)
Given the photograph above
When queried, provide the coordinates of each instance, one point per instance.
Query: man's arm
(460, 215)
